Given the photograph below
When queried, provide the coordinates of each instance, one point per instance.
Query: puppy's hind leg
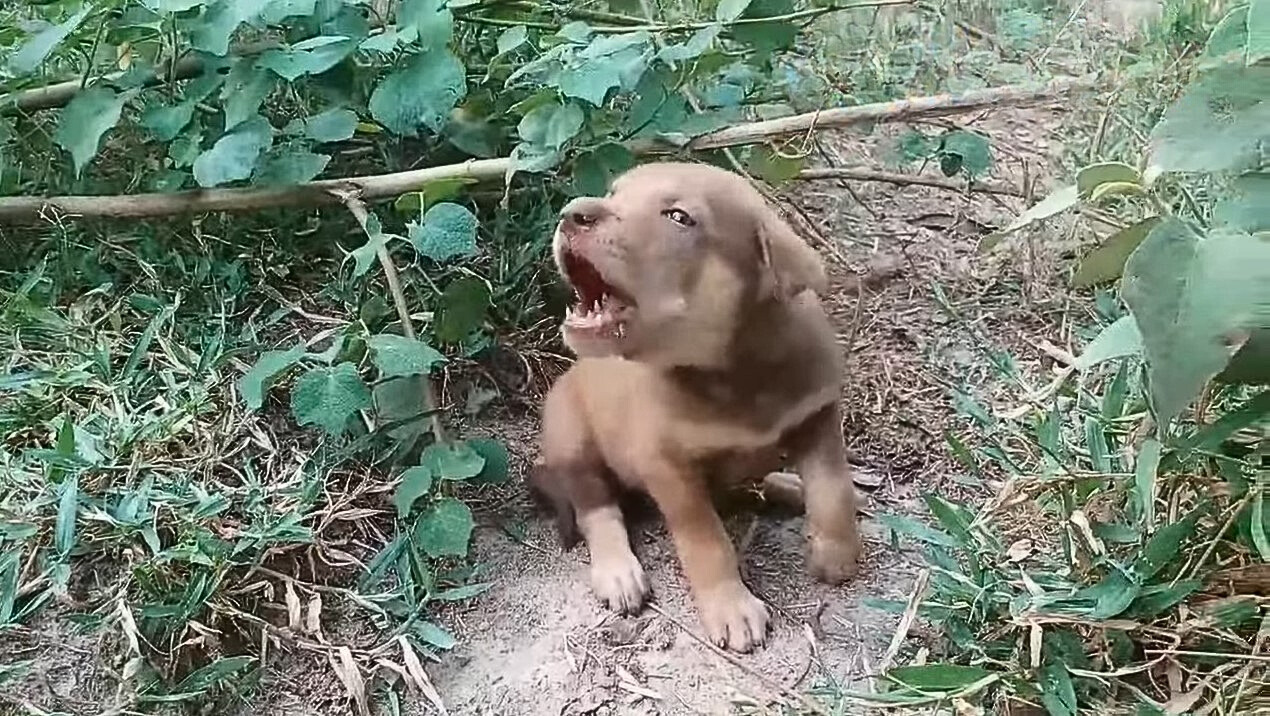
(572, 474)
(830, 499)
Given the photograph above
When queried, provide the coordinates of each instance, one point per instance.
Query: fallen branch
(380, 186)
(908, 180)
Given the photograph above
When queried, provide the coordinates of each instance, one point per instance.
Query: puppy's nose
(582, 213)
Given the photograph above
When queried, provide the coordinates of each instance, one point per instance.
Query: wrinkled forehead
(689, 186)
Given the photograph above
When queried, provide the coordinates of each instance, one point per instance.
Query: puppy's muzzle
(581, 215)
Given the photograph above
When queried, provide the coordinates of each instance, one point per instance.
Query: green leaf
(421, 94)
(459, 594)
(328, 397)
(1111, 596)
(1091, 177)
(445, 529)
(286, 168)
(366, 255)
(167, 122)
(1058, 695)
(216, 25)
(447, 232)
(415, 483)
(452, 462)
(496, 469)
(184, 150)
(953, 517)
(1058, 201)
(595, 169)
(398, 356)
(512, 38)
(429, 22)
(1106, 262)
(67, 508)
(551, 125)
(434, 635)
(767, 37)
(310, 57)
(1209, 438)
(399, 405)
(278, 10)
(256, 381)
(1194, 300)
(1258, 32)
(37, 48)
(696, 45)
(1259, 539)
(433, 192)
(333, 125)
(941, 678)
(1117, 340)
(1247, 205)
(235, 155)
(214, 673)
(1163, 548)
(729, 10)
(1156, 600)
(1228, 41)
(973, 149)
(1148, 464)
(772, 167)
(245, 89)
(85, 119)
(908, 526)
(463, 306)
(1220, 124)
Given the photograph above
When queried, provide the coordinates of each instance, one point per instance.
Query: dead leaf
(351, 676)
(1020, 550)
(419, 676)
(294, 618)
(313, 621)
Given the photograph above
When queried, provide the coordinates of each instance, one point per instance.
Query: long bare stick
(358, 209)
(907, 180)
(379, 186)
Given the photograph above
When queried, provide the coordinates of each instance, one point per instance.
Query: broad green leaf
(1058, 201)
(458, 594)
(551, 125)
(512, 38)
(398, 356)
(1163, 548)
(256, 381)
(67, 509)
(290, 167)
(973, 149)
(328, 397)
(494, 453)
(37, 48)
(767, 37)
(383, 43)
(220, 18)
(942, 678)
(366, 255)
(1246, 207)
(1106, 263)
(447, 232)
(434, 635)
(421, 94)
(1258, 32)
(184, 150)
(1156, 600)
(1209, 438)
(167, 122)
(278, 10)
(1228, 41)
(595, 169)
(85, 120)
(452, 462)
(1220, 124)
(10, 568)
(310, 57)
(693, 48)
(245, 89)
(953, 517)
(1091, 177)
(908, 526)
(1194, 300)
(1058, 695)
(463, 306)
(1144, 474)
(591, 80)
(415, 483)
(445, 529)
(433, 192)
(214, 673)
(772, 167)
(729, 10)
(1117, 340)
(333, 125)
(430, 22)
(399, 405)
(1112, 595)
(235, 155)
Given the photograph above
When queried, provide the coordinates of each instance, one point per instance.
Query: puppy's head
(667, 266)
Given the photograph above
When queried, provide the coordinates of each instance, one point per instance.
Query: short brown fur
(726, 369)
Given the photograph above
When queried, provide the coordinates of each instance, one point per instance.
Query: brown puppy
(705, 359)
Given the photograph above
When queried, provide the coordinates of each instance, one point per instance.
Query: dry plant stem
(810, 704)
(906, 621)
(907, 180)
(358, 208)
(380, 186)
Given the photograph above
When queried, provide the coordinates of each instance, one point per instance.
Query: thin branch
(908, 180)
(380, 186)
(357, 207)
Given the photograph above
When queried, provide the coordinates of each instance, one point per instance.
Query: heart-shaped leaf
(328, 397)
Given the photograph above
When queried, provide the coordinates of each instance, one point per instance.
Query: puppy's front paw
(833, 559)
(733, 617)
(619, 581)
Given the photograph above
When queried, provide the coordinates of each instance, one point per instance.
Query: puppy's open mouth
(602, 308)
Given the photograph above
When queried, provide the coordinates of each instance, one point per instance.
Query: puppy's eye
(679, 216)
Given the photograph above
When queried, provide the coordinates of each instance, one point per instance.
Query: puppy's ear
(790, 265)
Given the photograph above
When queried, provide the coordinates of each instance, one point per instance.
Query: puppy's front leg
(830, 500)
(732, 616)
(616, 575)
